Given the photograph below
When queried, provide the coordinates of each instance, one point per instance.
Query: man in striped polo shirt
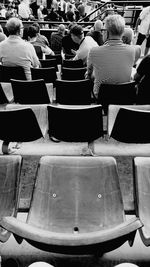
(113, 61)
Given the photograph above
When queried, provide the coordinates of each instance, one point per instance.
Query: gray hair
(14, 25)
(115, 24)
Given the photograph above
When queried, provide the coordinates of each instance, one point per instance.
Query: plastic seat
(121, 94)
(73, 73)
(75, 123)
(15, 72)
(3, 98)
(47, 74)
(58, 58)
(78, 92)
(30, 91)
(130, 125)
(10, 167)
(72, 63)
(76, 208)
(18, 125)
(46, 63)
(142, 195)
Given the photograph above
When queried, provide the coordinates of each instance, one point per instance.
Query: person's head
(37, 26)
(98, 25)
(14, 26)
(77, 33)
(128, 35)
(127, 264)
(61, 29)
(32, 33)
(115, 25)
(40, 264)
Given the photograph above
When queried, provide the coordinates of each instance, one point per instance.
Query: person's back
(127, 38)
(113, 61)
(56, 39)
(96, 32)
(14, 51)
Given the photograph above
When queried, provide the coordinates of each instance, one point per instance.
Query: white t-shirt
(145, 20)
(83, 51)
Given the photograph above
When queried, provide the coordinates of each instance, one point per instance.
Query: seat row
(77, 205)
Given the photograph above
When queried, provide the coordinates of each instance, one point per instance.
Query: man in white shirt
(143, 28)
(85, 43)
(24, 11)
(14, 51)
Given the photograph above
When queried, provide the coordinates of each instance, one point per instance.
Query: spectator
(14, 51)
(68, 44)
(34, 7)
(40, 264)
(3, 11)
(85, 43)
(142, 78)
(2, 35)
(96, 32)
(56, 39)
(126, 264)
(40, 15)
(127, 38)
(143, 28)
(40, 49)
(113, 61)
(70, 15)
(24, 11)
(40, 38)
(52, 15)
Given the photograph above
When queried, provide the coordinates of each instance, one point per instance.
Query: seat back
(76, 194)
(38, 51)
(13, 72)
(75, 123)
(130, 126)
(3, 98)
(10, 167)
(76, 92)
(72, 63)
(30, 92)
(46, 63)
(47, 74)
(19, 125)
(58, 58)
(121, 94)
(142, 195)
(73, 73)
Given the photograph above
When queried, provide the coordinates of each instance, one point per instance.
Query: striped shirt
(110, 63)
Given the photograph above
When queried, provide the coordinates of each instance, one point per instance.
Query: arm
(47, 50)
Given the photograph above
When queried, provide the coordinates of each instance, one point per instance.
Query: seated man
(113, 61)
(56, 39)
(40, 49)
(14, 51)
(85, 43)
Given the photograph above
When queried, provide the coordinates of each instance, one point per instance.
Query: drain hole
(76, 229)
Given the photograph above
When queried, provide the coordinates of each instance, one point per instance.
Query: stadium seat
(72, 63)
(76, 208)
(15, 72)
(142, 195)
(30, 91)
(121, 94)
(10, 167)
(128, 124)
(47, 74)
(78, 92)
(75, 123)
(73, 73)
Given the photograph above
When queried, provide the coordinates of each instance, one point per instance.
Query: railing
(129, 9)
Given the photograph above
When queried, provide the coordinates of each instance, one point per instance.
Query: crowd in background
(107, 48)
(56, 10)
